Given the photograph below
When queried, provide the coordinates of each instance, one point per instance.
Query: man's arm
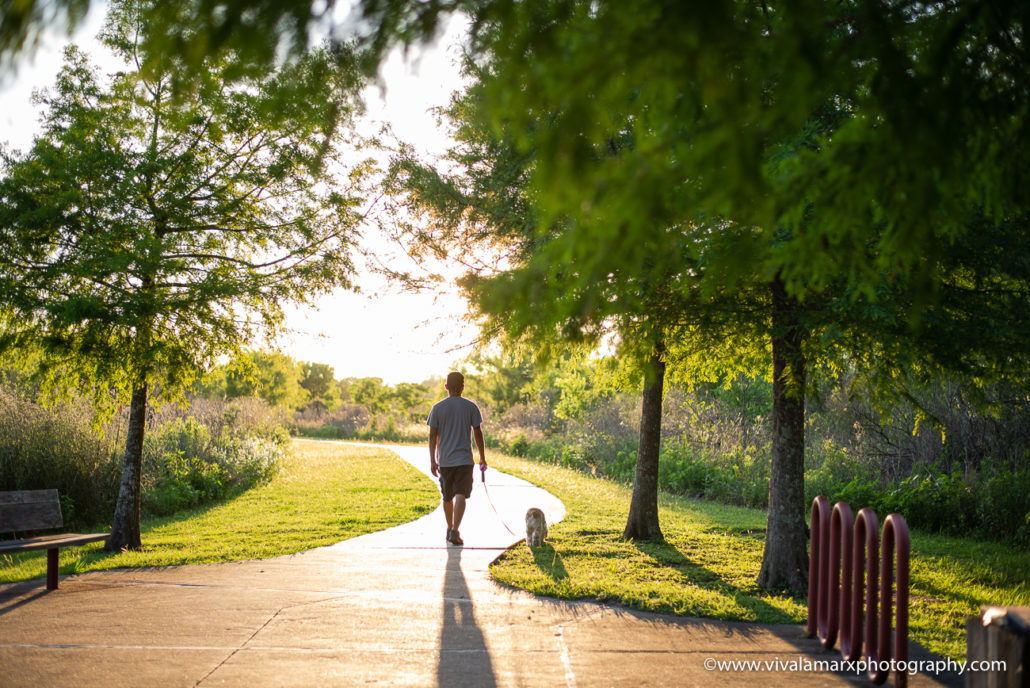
(477, 432)
(434, 439)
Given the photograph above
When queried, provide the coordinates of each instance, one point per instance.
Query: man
(450, 421)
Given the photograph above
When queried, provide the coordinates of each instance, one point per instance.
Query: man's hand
(483, 467)
(434, 439)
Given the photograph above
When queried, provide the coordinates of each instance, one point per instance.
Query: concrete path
(398, 607)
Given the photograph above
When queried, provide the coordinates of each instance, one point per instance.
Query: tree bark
(125, 527)
(785, 562)
(643, 509)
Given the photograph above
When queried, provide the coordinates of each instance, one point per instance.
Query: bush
(1003, 504)
(184, 468)
(994, 505)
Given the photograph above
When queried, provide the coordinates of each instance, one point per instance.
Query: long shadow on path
(464, 656)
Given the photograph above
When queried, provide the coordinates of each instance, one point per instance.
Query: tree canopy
(145, 235)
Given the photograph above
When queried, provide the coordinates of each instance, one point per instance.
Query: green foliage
(319, 381)
(371, 393)
(724, 106)
(993, 505)
(185, 467)
(21, 25)
(143, 236)
(270, 375)
(500, 381)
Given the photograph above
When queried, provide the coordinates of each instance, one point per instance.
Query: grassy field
(326, 493)
(712, 555)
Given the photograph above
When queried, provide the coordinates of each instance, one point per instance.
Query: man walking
(450, 422)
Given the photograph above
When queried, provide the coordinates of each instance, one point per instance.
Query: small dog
(536, 527)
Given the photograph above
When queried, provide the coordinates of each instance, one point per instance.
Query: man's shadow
(464, 656)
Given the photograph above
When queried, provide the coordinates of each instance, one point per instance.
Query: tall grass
(59, 447)
(355, 422)
(193, 455)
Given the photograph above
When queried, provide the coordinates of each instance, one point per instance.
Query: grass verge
(324, 493)
(708, 565)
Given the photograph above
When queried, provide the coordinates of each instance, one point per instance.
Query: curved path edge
(494, 517)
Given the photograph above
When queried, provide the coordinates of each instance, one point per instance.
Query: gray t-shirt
(454, 418)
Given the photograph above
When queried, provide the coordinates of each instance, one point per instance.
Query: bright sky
(381, 332)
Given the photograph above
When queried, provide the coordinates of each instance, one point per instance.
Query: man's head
(455, 383)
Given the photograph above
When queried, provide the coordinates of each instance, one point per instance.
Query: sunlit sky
(382, 331)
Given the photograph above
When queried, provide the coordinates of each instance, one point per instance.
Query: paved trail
(399, 607)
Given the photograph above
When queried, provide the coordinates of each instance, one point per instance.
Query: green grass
(324, 494)
(708, 565)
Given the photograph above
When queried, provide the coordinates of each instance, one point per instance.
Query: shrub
(184, 468)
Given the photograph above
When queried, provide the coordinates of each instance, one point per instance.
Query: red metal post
(816, 585)
(865, 558)
(840, 544)
(848, 559)
(895, 539)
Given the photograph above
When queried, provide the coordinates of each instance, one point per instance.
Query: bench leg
(51, 569)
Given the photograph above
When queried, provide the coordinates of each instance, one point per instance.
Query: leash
(491, 502)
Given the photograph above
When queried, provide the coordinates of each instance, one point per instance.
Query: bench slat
(51, 541)
(29, 510)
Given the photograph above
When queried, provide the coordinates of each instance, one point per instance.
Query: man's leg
(448, 511)
(457, 511)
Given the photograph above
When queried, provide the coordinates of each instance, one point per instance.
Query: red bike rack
(848, 571)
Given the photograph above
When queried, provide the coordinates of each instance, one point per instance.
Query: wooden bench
(27, 511)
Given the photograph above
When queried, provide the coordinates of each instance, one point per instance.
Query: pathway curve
(398, 607)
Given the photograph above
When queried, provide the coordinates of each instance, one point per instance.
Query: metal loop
(850, 571)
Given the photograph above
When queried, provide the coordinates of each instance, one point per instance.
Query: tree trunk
(785, 562)
(643, 509)
(125, 526)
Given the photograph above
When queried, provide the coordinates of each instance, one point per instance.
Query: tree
(144, 235)
(476, 203)
(501, 380)
(319, 380)
(270, 375)
(412, 401)
(371, 393)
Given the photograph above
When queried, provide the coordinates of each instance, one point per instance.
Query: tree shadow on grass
(667, 556)
(549, 562)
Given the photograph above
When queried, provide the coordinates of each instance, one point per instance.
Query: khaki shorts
(456, 480)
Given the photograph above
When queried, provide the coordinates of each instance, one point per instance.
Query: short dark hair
(455, 381)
